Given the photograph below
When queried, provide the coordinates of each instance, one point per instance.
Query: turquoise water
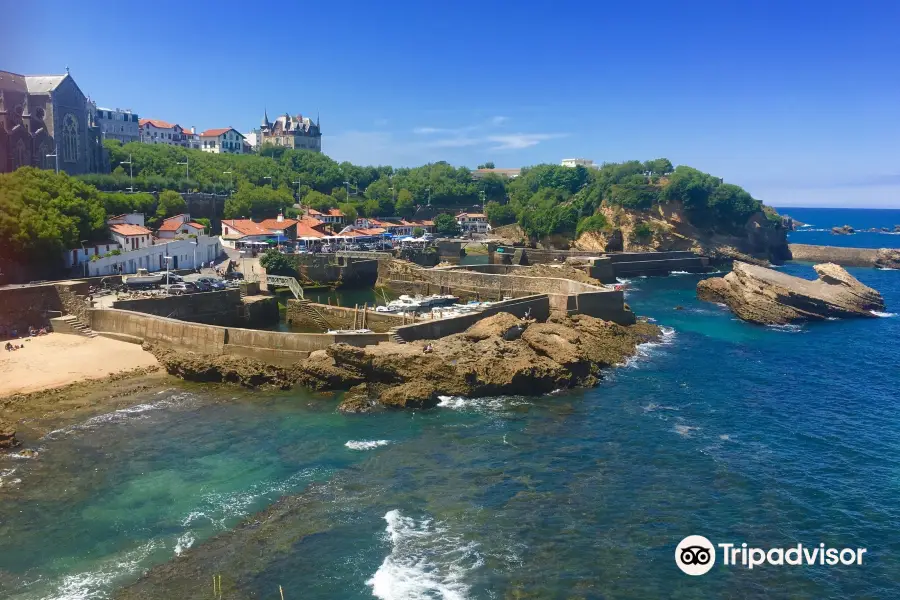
(770, 436)
(821, 220)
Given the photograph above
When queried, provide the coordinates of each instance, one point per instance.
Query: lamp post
(299, 199)
(167, 257)
(83, 251)
(187, 167)
(131, 171)
(230, 181)
(194, 264)
(55, 155)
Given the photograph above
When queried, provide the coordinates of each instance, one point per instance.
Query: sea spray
(427, 560)
(366, 444)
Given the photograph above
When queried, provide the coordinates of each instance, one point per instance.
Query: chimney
(280, 217)
(193, 130)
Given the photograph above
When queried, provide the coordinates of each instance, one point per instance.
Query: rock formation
(500, 354)
(887, 258)
(844, 230)
(7, 436)
(769, 297)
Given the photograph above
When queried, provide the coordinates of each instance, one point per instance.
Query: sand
(59, 359)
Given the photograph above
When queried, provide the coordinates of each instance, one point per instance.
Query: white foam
(482, 405)
(878, 313)
(184, 542)
(366, 444)
(685, 430)
(887, 269)
(97, 583)
(787, 328)
(648, 349)
(427, 561)
(121, 415)
(7, 479)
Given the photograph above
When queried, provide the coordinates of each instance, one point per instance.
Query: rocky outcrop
(887, 258)
(7, 436)
(500, 354)
(843, 230)
(769, 297)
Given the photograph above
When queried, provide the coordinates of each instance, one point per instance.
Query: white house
(242, 231)
(221, 141)
(332, 216)
(578, 162)
(182, 254)
(472, 223)
(78, 256)
(129, 231)
(116, 123)
(177, 226)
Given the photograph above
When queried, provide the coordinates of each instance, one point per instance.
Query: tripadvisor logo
(696, 555)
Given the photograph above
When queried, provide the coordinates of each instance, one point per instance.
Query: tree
(350, 213)
(370, 208)
(404, 205)
(659, 166)
(207, 226)
(499, 214)
(446, 225)
(170, 203)
(319, 201)
(487, 165)
(339, 194)
(418, 232)
(276, 263)
(595, 222)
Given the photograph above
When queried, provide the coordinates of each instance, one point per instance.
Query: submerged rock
(7, 436)
(769, 297)
(843, 230)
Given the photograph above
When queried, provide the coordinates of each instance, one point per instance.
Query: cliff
(760, 295)
(666, 227)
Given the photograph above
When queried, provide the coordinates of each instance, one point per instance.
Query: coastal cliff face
(666, 227)
(760, 295)
(500, 354)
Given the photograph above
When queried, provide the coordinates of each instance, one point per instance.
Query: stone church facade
(47, 114)
(298, 133)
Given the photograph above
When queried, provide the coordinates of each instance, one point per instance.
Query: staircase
(71, 324)
(392, 334)
(315, 316)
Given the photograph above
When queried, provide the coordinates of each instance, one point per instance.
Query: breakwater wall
(342, 268)
(212, 308)
(300, 312)
(848, 257)
(536, 307)
(566, 296)
(35, 305)
(267, 346)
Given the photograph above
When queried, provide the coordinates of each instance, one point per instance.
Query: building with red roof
(225, 140)
(179, 225)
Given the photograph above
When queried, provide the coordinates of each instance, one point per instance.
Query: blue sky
(799, 102)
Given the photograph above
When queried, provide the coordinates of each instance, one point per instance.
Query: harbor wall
(339, 317)
(536, 307)
(35, 305)
(344, 268)
(221, 307)
(267, 346)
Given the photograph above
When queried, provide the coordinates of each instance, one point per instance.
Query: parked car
(185, 287)
(211, 283)
(234, 275)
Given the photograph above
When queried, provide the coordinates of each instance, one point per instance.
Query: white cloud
(454, 142)
(499, 120)
(517, 141)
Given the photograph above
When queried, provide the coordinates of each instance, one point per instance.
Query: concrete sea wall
(268, 346)
(35, 305)
(340, 317)
(537, 307)
(213, 308)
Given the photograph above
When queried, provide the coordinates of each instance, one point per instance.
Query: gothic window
(70, 138)
(22, 155)
(43, 159)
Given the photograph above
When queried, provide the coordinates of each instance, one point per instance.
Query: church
(299, 132)
(45, 123)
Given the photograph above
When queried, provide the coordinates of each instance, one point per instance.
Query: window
(46, 161)
(70, 138)
(22, 155)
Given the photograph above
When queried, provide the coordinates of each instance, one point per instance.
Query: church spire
(266, 118)
(26, 110)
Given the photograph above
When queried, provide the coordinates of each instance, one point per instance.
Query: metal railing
(288, 282)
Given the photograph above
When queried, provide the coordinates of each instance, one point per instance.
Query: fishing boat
(143, 279)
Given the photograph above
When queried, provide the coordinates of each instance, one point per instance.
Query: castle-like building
(46, 122)
(299, 132)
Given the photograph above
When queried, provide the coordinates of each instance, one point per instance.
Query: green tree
(418, 232)
(487, 165)
(445, 224)
(404, 205)
(339, 194)
(205, 222)
(319, 201)
(659, 166)
(170, 203)
(595, 222)
(370, 208)
(499, 214)
(350, 212)
(276, 263)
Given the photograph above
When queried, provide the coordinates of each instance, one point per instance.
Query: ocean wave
(97, 583)
(878, 313)
(887, 268)
(653, 407)
(183, 543)
(366, 444)
(648, 349)
(685, 430)
(7, 479)
(427, 561)
(122, 415)
(787, 328)
(491, 404)
(219, 507)
(624, 280)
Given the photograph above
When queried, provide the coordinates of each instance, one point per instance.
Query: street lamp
(83, 251)
(187, 167)
(131, 170)
(428, 191)
(55, 155)
(231, 181)
(299, 199)
(195, 256)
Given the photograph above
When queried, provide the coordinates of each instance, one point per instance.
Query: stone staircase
(72, 325)
(394, 337)
(314, 315)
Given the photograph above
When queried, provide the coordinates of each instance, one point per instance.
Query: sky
(798, 102)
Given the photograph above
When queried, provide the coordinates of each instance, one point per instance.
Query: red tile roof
(364, 232)
(274, 224)
(196, 225)
(157, 123)
(306, 231)
(128, 229)
(246, 226)
(218, 132)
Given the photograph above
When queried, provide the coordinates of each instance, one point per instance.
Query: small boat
(143, 279)
(335, 331)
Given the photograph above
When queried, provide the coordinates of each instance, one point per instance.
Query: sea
(769, 436)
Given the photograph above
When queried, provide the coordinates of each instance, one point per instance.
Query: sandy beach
(58, 359)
